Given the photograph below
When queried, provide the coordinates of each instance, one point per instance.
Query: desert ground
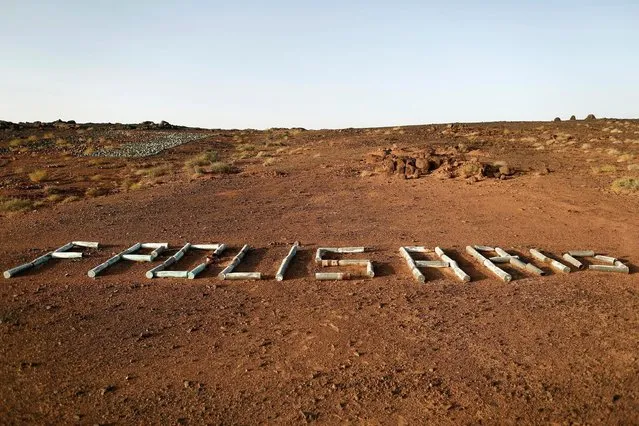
(124, 349)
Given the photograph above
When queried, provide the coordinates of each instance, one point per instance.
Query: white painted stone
(95, 271)
(285, 263)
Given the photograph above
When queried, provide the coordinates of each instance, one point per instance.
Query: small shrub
(245, 147)
(38, 175)
(71, 199)
(95, 178)
(130, 185)
(625, 185)
(220, 167)
(156, 171)
(89, 151)
(203, 159)
(95, 192)
(270, 144)
(606, 168)
(52, 190)
(14, 143)
(632, 167)
(54, 198)
(15, 204)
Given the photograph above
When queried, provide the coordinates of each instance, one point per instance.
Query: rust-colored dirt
(125, 349)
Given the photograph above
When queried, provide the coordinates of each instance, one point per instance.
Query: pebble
(152, 147)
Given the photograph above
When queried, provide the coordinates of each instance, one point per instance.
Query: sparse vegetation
(55, 198)
(271, 144)
(38, 175)
(220, 167)
(70, 199)
(130, 185)
(156, 171)
(96, 191)
(625, 185)
(245, 147)
(14, 143)
(203, 159)
(606, 168)
(15, 204)
(207, 161)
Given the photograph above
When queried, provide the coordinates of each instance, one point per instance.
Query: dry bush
(203, 159)
(606, 168)
(14, 143)
(55, 198)
(15, 204)
(220, 167)
(271, 144)
(130, 185)
(625, 157)
(95, 191)
(156, 171)
(262, 154)
(52, 190)
(633, 167)
(38, 175)
(245, 147)
(89, 151)
(71, 199)
(625, 185)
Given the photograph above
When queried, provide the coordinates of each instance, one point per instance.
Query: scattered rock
(448, 162)
(108, 389)
(309, 416)
(422, 164)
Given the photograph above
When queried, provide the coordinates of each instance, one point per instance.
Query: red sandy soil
(125, 349)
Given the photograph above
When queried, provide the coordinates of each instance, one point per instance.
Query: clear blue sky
(320, 64)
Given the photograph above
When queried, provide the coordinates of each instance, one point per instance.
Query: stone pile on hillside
(449, 162)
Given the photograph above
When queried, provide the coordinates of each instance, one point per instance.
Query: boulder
(422, 164)
(591, 117)
(505, 170)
